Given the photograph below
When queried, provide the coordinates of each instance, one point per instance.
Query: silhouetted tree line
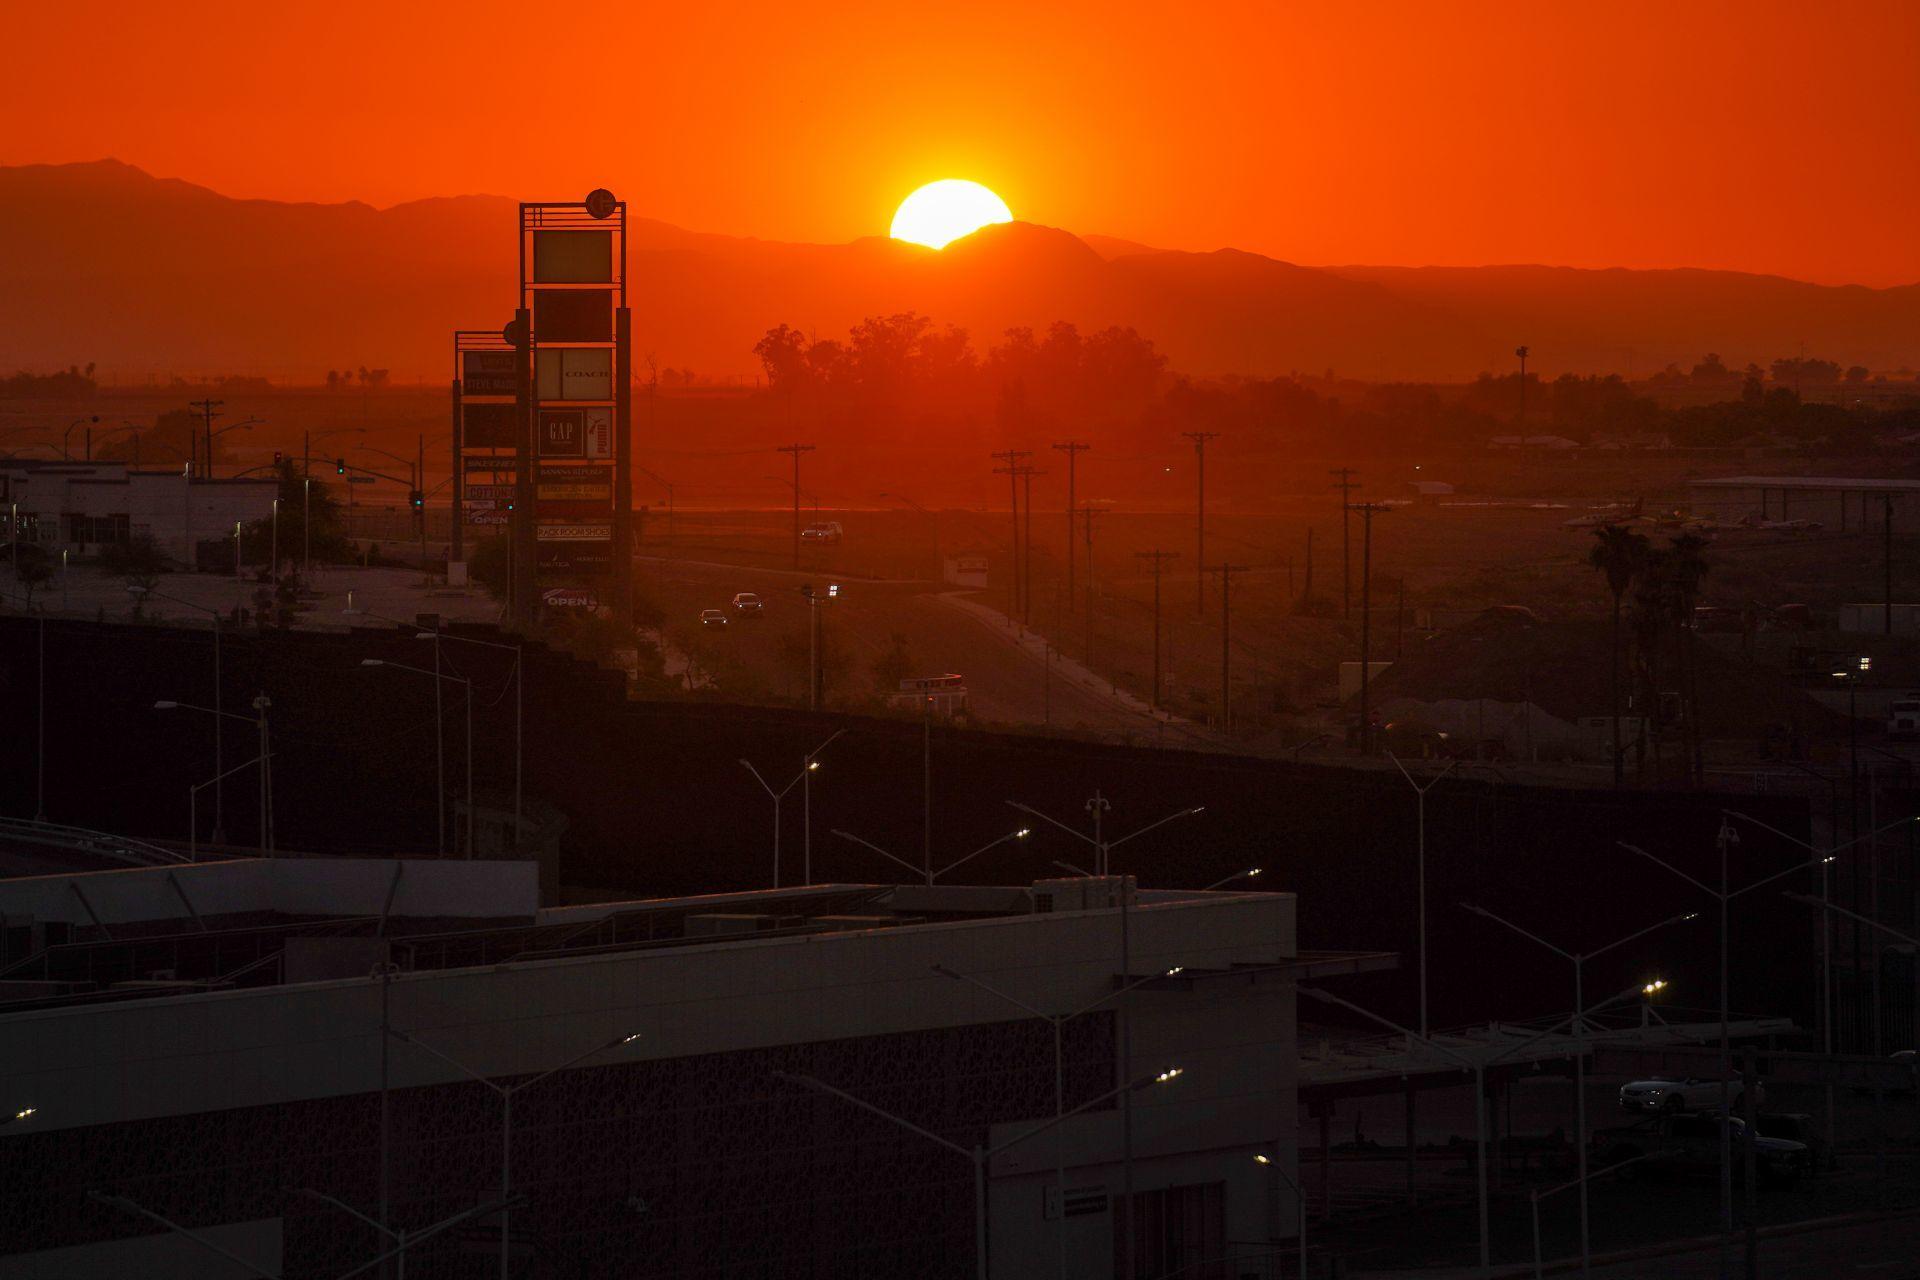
(1114, 384)
(72, 383)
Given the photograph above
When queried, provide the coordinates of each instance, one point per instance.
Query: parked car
(1689, 1093)
(1691, 1144)
(822, 531)
(712, 618)
(748, 603)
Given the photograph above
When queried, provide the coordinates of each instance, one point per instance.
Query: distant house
(1548, 443)
(82, 506)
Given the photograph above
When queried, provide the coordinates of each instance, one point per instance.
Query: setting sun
(941, 212)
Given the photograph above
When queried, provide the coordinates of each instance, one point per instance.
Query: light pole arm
(1152, 1077)
(1812, 901)
(813, 754)
(1795, 840)
(574, 1061)
(1659, 924)
(1781, 875)
(1430, 781)
(1531, 937)
(821, 1086)
(1634, 848)
(191, 706)
(313, 1194)
(1184, 813)
(991, 990)
(1011, 835)
(455, 1063)
(127, 1206)
(848, 835)
(1117, 992)
(488, 1209)
(1078, 835)
(1327, 997)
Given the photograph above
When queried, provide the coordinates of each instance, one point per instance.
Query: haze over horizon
(1720, 136)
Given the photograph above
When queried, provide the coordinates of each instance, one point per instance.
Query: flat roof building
(1841, 503)
(82, 506)
(226, 1045)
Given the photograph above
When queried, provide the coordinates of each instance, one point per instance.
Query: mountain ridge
(109, 263)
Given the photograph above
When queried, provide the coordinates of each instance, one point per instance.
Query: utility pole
(1346, 484)
(1306, 583)
(1886, 617)
(1073, 449)
(1200, 439)
(1523, 353)
(1226, 572)
(1367, 510)
(1158, 557)
(209, 410)
(1086, 522)
(1011, 471)
(1027, 474)
(796, 450)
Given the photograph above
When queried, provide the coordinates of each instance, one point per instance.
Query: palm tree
(1620, 554)
(1687, 564)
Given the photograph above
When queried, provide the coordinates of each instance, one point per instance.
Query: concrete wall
(316, 886)
(103, 1065)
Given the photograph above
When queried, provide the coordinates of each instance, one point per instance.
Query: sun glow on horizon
(941, 212)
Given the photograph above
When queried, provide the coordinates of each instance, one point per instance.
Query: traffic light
(416, 499)
(339, 466)
(278, 457)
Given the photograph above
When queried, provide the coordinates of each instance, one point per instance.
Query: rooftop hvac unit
(1082, 893)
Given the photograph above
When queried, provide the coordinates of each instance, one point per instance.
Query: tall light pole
(981, 1156)
(265, 759)
(1057, 1023)
(1420, 873)
(439, 741)
(1343, 481)
(808, 763)
(1157, 558)
(928, 870)
(506, 1093)
(797, 450)
(1579, 961)
(1727, 837)
(1523, 353)
(1367, 510)
(1073, 449)
(219, 834)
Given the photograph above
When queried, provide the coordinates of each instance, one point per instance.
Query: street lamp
(439, 742)
(980, 1154)
(809, 764)
(1420, 874)
(67, 436)
(265, 760)
(1251, 873)
(1299, 1193)
(1057, 1021)
(928, 871)
(19, 1114)
(1102, 848)
(219, 835)
(1478, 1065)
(1726, 837)
(1579, 961)
(506, 1093)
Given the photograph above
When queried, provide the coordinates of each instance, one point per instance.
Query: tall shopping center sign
(543, 414)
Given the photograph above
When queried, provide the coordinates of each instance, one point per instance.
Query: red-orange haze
(1762, 135)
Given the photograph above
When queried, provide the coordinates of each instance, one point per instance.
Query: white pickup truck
(822, 531)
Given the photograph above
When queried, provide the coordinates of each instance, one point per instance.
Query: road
(1005, 682)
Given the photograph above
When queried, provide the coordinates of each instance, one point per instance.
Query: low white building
(82, 506)
(214, 1044)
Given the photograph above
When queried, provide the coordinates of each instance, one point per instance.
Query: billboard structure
(486, 434)
(572, 362)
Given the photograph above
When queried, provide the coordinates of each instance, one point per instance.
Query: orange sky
(1761, 135)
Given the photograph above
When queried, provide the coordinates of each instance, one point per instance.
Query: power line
(1200, 439)
(1012, 471)
(1226, 572)
(796, 450)
(1367, 510)
(1346, 484)
(1073, 449)
(1158, 557)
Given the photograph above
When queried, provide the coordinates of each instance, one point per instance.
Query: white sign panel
(573, 373)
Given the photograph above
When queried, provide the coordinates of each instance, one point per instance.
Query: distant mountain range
(103, 262)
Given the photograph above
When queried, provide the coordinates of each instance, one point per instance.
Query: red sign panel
(489, 426)
(488, 373)
(573, 315)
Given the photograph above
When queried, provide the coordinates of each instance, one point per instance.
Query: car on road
(822, 531)
(713, 618)
(1683, 1093)
(1691, 1144)
(748, 604)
